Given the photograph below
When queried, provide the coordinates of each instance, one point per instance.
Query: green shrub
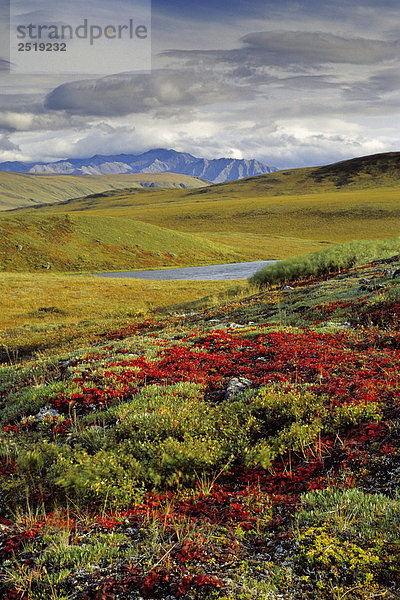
(287, 422)
(329, 260)
(104, 477)
(348, 542)
(352, 512)
(350, 415)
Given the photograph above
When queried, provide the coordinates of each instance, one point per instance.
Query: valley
(268, 217)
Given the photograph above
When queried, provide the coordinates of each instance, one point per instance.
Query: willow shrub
(329, 260)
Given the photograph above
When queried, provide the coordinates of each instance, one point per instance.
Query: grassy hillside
(86, 242)
(366, 172)
(143, 467)
(333, 216)
(21, 189)
(266, 217)
(277, 215)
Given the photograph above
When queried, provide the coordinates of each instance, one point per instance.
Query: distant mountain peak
(158, 160)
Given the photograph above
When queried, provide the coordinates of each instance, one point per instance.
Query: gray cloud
(6, 144)
(375, 87)
(124, 94)
(297, 50)
(27, 120)
(308, 82)
(207, 77)
(4, 64)
(313, 48)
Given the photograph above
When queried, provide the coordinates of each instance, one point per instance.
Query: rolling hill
(80, 242)
(266, 217)
(366, 172)
(21, 189)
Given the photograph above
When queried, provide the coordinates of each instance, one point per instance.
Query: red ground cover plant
(248, 510)
(331, 363)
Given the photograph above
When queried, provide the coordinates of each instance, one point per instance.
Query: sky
(290, 83)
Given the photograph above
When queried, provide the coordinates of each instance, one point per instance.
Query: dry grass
(43, 310)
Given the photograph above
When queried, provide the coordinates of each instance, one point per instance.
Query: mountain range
(159, 160)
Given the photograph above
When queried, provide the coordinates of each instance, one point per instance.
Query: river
(205, 273)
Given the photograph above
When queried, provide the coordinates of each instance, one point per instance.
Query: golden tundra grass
(275, 226)
(43, 310)
(327, 216)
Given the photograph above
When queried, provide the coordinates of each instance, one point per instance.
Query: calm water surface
(206, 273)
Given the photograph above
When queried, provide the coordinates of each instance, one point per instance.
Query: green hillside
(272, 216)
(23, 189)
(365, 172)
(89, 242)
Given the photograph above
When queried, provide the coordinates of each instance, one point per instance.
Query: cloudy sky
(291, 83)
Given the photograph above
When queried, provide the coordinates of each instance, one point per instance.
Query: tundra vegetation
(202, 441)
(127, 471)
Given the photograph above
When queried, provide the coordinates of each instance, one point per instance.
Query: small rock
(64, 364)
(344, 325)
(301, 308)
(237, 385)
(235, 326)
(373, 287)
(288, 288)
(47, 412)
(396, 273)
